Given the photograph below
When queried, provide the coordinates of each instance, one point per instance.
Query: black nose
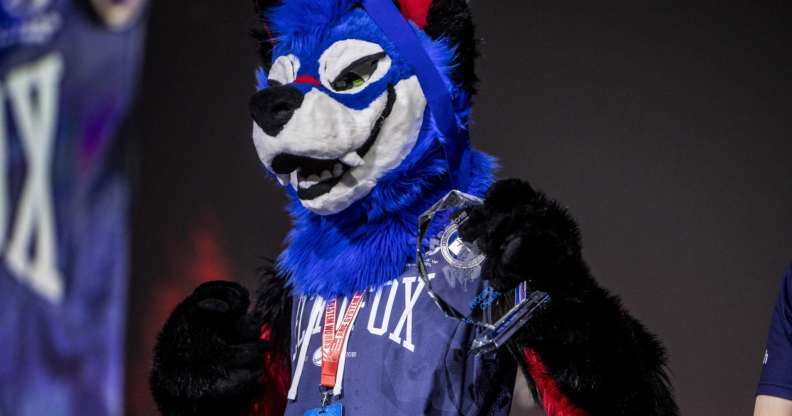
(273, 107)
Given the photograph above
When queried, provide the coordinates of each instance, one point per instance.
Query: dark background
(664, 127)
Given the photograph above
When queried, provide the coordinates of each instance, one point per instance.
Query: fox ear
(261, 32)
(453, 21)
(416, 10)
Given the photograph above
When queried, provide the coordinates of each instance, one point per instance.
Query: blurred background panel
(205, 210)
(68, 74)
(664, 127)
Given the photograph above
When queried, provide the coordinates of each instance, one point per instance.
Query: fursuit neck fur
(372, 241)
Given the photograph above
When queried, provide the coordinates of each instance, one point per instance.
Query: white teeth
(326, 175)
(352, 159)
(305, 183)
(283, 179)
(338, 170)
(295, 181)
(311, 181)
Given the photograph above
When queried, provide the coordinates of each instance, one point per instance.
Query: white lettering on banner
(410, 299)
(4, 211)
(33, 91)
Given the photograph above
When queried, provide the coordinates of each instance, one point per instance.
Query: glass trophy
(498, 316)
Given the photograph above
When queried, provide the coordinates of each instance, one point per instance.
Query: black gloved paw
(525, 236)
(208, 356)
(223, 307)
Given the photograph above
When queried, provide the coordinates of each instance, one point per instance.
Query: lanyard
(333, 341)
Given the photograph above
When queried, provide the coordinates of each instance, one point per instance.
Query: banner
(66, 83)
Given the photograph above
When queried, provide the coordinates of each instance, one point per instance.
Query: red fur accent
(416, 10)
(307, 79)
(272, 401)
(555, 403)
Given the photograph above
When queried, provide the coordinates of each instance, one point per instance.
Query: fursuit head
(343, 123)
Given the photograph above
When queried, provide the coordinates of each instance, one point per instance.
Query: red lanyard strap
(333, 340)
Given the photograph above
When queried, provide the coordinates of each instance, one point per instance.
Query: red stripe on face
(307, 79)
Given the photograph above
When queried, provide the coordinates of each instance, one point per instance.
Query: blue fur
(370, 242)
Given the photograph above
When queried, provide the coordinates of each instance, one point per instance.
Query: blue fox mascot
(362, 115)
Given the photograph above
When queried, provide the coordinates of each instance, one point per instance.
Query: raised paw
(208, 356)
(525, 236)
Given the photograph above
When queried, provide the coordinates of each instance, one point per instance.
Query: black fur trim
(273, 302)
(602, 358)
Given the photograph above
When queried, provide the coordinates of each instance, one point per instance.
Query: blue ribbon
(403, 36)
